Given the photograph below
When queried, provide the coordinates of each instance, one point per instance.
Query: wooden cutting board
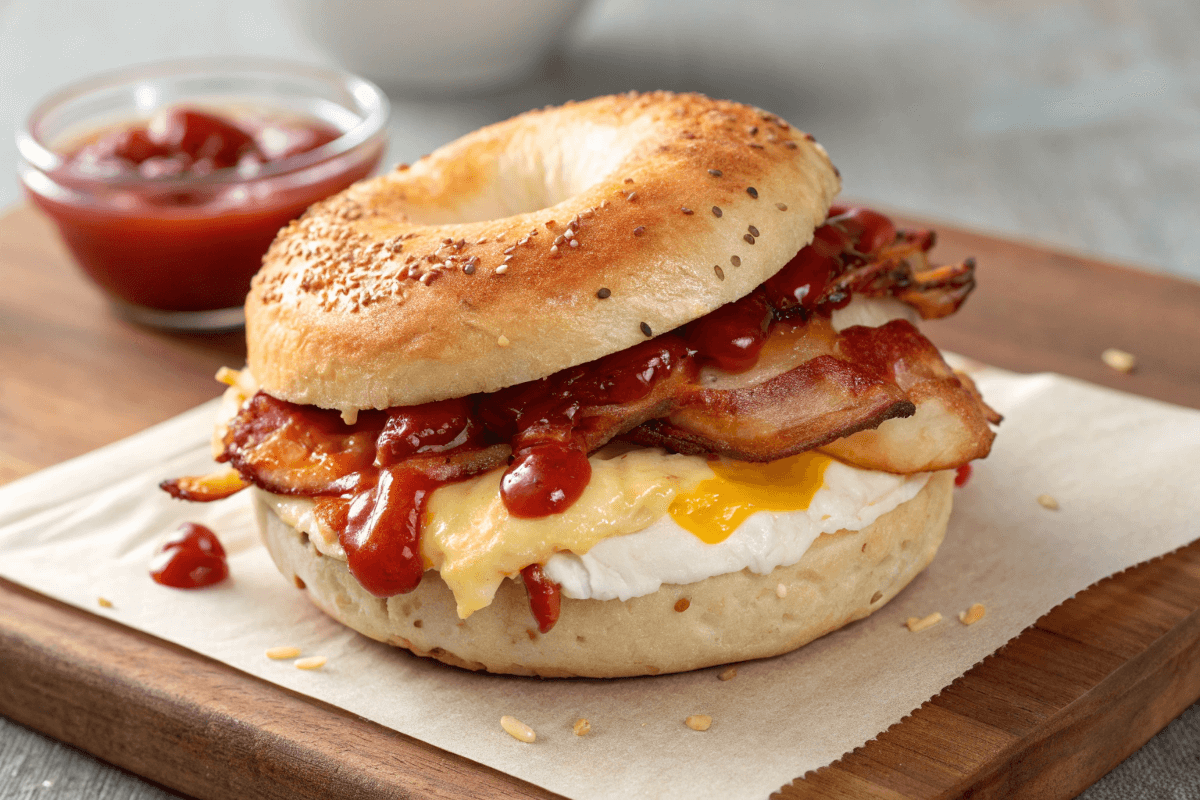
(1045, 716)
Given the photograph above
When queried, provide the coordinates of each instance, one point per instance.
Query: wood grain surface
(1043, 717)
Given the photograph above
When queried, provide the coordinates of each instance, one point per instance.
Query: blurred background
(1072, 123)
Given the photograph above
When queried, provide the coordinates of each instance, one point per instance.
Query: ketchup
(545, 597)
(962, 475)
(190, 559)
(176, 214)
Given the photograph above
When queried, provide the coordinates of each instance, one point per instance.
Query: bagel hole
(521, 174)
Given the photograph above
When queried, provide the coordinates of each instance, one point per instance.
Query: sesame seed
(554, 250)
(1048, 501)
(567, 234)
(508, 259)
(780, 591)
(753, 130)
(639, 230)
(790, 145)
(754, 231)
(581, 727)
(104, 602)
(720, 272)
(686, 210)
(604, 293)
(312, 662)
(517, 729)
(502, 341)
(716, 173)
(918, 624)
(727, 674)
(972, 614)
(510, 250)
(698, 722)
(631, 196)
(781, 206)
(574, 243)
(503, 268)
(682, 604)
(810, 137)
(629, 180)
(749, 239)
(481, 240)
(281, 653)
(716, 211)
(447, 241)
(550, 223)
(1119, 360)
(469, 268)
(757, 146)
(735, 260)
(646, 329)
(750, 190)
(524, 241)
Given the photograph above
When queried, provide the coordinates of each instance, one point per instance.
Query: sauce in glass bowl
(170, 212)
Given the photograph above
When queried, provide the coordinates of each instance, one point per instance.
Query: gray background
(1072, 123)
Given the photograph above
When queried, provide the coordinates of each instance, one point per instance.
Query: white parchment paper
(1124, 470)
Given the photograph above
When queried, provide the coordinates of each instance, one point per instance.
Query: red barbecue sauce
(546, 422)
(545, 597)
(962, 475)
(138, 210)
(190, 559)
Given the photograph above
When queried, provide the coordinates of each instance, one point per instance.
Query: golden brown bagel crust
(445, 278)
(843, 577)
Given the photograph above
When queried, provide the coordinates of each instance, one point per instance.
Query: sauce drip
(192, 558)
(732, 337)
(382, 534)
(962, 475)
(545, 597)
(715, 508)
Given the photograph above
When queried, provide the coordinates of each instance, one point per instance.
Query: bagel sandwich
(603, 390)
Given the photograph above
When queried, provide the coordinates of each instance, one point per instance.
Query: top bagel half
(529, 246)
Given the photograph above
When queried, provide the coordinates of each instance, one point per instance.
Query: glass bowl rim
(369, 97)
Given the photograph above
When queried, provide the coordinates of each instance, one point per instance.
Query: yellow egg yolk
(716, 507)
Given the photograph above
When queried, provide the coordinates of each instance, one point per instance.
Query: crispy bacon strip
(205, 488)
(950, 426)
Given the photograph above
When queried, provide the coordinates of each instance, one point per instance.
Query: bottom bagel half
(733, 617)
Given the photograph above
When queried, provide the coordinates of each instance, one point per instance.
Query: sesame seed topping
(781, 206)
(312, 662)
(574, 243)
(716, 211)
(716, 173)
(554, 250)
(720, 272)
(753, 130)
(604, 293)
(749, 239)
(469, 268)
(698, 722)
(567, 234)
(810, 137)
(508, 259)
(750, 190)
(790, 145)
(631, 196)
(646, 329)
(447, 241)
(502, 341)
(629, 180)
(282, 653)
(682, 604)
(639, 230)
(686, 210)
(550, 223)
(735, 260)
(503, 268)
(581, 727)
(510, 250)
(757, 146)
(754, 231)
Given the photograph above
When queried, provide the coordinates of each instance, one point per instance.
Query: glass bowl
(179, 251)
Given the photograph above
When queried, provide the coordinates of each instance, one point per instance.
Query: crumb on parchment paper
(917, 624)
(972, 614)
(517, 729)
